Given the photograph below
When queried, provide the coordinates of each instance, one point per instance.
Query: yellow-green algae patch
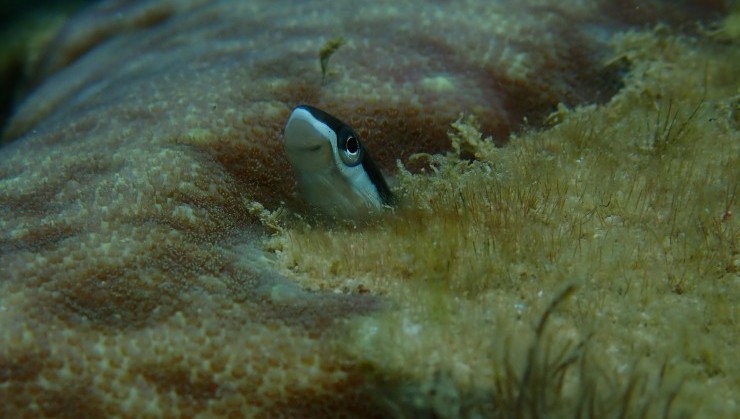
(633, 205)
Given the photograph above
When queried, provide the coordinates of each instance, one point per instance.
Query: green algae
(327, 50)
(628, 205)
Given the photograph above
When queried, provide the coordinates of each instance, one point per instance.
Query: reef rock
(132, 280)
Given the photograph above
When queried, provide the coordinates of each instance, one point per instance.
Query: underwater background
(565, 243)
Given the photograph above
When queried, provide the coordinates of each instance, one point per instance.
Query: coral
(633, 203)
(140, 177)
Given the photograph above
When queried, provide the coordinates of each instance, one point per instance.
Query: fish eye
(350, 151)
(353, 146)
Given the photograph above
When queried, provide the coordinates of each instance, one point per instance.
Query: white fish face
(333, 169)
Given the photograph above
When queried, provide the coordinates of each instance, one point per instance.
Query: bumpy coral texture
(132, 279)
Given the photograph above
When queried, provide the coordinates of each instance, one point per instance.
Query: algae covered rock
(134, 275)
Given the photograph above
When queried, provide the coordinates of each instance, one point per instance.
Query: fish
(335, 172)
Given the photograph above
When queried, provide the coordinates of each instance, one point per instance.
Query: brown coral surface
(133, 279)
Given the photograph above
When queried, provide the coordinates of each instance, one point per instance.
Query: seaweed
(325, 53)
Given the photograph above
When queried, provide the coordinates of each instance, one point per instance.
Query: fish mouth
(304, 134)
(312, 148)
